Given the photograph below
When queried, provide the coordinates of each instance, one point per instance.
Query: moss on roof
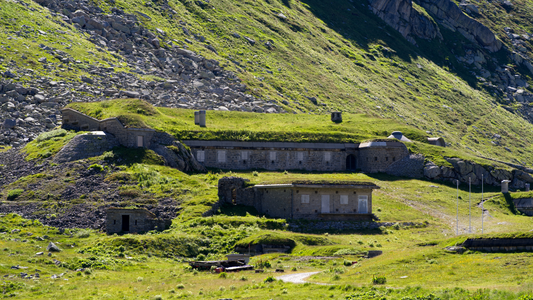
(332, 182)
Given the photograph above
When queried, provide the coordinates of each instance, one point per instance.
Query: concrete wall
(140, 220)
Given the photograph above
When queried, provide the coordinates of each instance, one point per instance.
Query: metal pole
(457, 220)
(469, 205)
(482, 210)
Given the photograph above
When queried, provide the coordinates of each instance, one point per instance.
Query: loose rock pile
(190, 81)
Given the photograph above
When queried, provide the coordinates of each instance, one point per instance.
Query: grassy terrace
(243, 126)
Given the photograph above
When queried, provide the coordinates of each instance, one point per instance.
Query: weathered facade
(302, 200)
(128, 137)
(120, 220)
(327, 157)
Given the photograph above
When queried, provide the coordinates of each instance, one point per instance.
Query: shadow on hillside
(358, 24)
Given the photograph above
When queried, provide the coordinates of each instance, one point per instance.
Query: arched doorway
(351, 162)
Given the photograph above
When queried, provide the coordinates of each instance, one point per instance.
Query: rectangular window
(244, 155)
(327, 156)
(300, 156)
(140, 141)
(272, 156)
(344, 199)
(305, 198)
(200, 156)
(221, 156)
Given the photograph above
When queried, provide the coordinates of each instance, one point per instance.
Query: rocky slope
(184, 79)
(267, 56)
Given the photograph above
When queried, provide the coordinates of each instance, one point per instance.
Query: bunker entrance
(125, 223)
(350, 162)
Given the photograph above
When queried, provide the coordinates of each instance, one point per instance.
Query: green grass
(48, 143)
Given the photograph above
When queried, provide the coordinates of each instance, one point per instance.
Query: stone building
(128, 137)
(317, 200)
(121, 220)
(375, 156)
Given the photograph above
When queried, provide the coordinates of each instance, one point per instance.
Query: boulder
(52, 247)
(432, 171)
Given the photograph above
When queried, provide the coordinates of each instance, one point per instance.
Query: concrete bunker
(137, 220)
(314, 200)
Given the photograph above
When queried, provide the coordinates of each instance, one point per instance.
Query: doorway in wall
(350, 162)
(140, 141)
(125, 223)
(363, 204)
(325, 204)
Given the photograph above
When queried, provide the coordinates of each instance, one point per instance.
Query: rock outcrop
(450, 15)
(400, 15)
(86, 145)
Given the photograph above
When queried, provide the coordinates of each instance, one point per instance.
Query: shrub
(96, 167)
(347, 263)
(13, 194)
(180, 286)
(269, 279)
(83, 234)
(255, 173)
(243, 278)
(223, 275)
(379, 280)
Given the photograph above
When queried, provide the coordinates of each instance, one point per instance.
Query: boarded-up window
(221, 156)
(200, 156)
(140, 141)
(344, 199)
(272, 156)
(244, 155)
(363, 204)
(327, 156)
(300, 156)
(305, 198)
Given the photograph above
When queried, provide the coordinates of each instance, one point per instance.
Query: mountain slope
(306, 56)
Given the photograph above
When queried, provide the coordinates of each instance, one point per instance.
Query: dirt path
(296, 278)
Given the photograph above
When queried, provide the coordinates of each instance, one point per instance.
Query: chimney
(336, 117)
(202, 118)
(196, 118)
(505, 186)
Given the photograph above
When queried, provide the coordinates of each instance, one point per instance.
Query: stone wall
(286, 200)
(324, 157)
(140, 220)
(313, 209)
(77, 121)
(379, 156)
(276, 202)
(128, 137)
(86, 145)
(499, 245)
(272, 159)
